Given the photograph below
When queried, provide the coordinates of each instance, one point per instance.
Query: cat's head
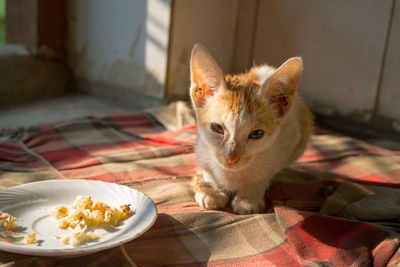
(240, 115)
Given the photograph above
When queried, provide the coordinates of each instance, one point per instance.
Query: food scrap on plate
(84, 216)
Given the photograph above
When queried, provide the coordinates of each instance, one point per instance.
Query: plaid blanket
(338, 205)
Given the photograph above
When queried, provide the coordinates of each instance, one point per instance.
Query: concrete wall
(119, 48)
(349, 47)
(25, 78)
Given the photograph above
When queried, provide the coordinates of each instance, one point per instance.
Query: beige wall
(209, 22)
(388, 109)
(342, 43)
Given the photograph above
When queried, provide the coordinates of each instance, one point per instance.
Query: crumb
(86, 213)
(30, 238)
(8, 222)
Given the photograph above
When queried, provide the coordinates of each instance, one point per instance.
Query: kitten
(250, 126)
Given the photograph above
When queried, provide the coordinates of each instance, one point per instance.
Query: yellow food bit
(83, 202)
(63, 224)
(63, 238)
(30, 238)
(8, 222)
(77, 236)
(87, 213)
(59, 212)
(98, 205)
(81, 237)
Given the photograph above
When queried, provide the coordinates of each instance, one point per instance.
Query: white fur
(263, 72)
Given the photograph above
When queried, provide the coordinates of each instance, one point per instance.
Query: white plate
(31, 204)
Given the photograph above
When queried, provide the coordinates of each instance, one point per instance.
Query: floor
(60, 109)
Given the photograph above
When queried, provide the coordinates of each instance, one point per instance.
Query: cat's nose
(232, 159)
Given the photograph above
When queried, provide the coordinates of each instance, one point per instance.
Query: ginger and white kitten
(250, 126)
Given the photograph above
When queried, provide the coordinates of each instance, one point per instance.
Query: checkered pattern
(319, 209)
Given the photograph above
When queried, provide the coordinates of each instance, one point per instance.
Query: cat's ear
(206, 76)
(281, 87)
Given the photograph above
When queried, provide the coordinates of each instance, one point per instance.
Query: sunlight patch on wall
(157, 28)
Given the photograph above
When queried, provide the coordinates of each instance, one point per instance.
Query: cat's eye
(256, 134)
(217, 128)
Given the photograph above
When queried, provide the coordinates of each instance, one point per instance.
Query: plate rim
(75, 251)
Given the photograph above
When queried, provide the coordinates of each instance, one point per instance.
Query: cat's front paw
(211, 199)
(247, 206)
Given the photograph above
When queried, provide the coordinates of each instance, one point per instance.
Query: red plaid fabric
(322, 211)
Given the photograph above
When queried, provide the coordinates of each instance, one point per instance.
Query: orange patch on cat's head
(240, 97)
(241, 92)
